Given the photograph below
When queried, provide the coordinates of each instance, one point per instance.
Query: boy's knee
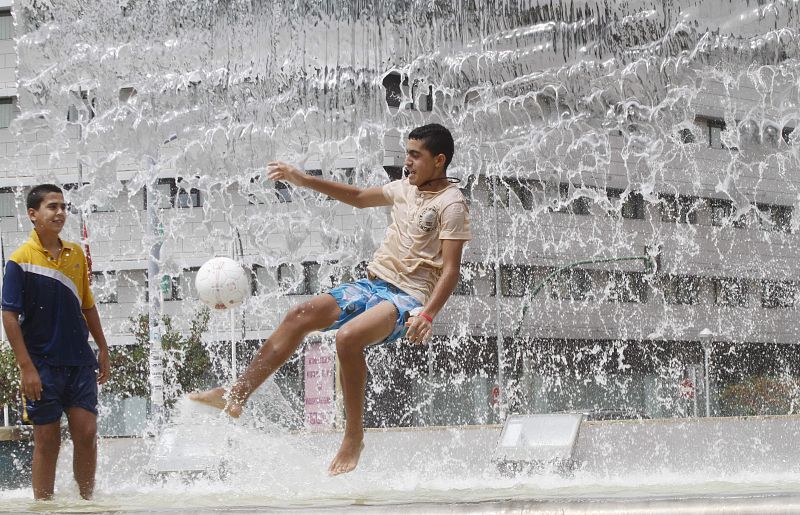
(84, 436)
(48, 438)
(347, 342)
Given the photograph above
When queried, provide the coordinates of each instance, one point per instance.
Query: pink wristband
(426, 317)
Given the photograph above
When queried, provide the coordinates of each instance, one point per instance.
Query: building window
(127, 94)
(170, 288)
(561, 202)
(84, 107)
(778, 294)
(170, 194)
(104, 287)
(515, 280)
(572, 284)
(686, 136)
(632, 204)
(504, 192)
(254, 189)
(71, 190)
(787, 134)
(105, 207)
(392, 84)
(682, 290)
(775, 218)
(715, 128)
(283, 190)
(681, 209)
(311, 278)
(730, 292)
(7, 111)
(476, 279)
(263, 279)
(395, 173)
(722, 214)
(299, 279)
(186, 288)
(187, 198)
(627, 287)
(8, 204)
(467, 187)
(421, 97)
(168, 285)
(290, 278)
(720, 211)
(6, 25)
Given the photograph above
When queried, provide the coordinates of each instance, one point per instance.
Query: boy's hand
(419, 330)
(280, 171)
(31, 382)
(104, 374)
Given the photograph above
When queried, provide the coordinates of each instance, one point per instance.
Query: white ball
(222, 283)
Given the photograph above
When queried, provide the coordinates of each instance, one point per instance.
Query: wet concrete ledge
(15, 433)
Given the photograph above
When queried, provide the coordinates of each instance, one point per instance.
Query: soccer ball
(222, 283)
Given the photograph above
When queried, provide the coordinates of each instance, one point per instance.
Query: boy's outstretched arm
(31, 382)
(420, 329)
(96, 330)
(352, 195)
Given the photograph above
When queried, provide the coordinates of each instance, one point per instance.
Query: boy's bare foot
(217, 399)
(346, 459)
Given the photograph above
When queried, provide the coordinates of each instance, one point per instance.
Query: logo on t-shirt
(427, 219)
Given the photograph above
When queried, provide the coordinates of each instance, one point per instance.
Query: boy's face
(421, 164)
(51, 215)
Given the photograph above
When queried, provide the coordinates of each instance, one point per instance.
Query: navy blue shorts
(63, 388)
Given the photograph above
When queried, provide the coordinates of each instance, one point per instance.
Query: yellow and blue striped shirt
(50, 295)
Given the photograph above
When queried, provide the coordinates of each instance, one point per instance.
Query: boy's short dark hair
(437, 140)
(37, 194)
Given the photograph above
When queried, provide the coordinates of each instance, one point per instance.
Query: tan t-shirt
(410, 256)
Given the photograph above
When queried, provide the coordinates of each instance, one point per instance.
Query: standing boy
(410, 278)
(48, 313)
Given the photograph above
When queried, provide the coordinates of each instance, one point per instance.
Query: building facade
(702, 196)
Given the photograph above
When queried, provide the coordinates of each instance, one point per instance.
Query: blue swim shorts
(356, 297)
(63, 388)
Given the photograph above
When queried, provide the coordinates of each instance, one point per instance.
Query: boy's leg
(372, 326)
(313, 315)
(83, 429)
(46, 444)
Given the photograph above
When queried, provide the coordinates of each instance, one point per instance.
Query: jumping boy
(410, 278)
(47, 282)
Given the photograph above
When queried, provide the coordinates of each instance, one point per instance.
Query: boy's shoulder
(452, 195)
(23, 254)
(28, 253)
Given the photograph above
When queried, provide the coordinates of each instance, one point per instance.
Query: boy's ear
(440, 160)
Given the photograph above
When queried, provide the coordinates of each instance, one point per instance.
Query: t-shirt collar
(34, 236)
(432, 193)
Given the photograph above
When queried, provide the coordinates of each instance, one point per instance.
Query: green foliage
(9, 376)
(187, 365)
(759, 395)
(129, 370)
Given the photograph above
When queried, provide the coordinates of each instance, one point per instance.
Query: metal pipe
(156, 355)
(501, 397)
(707, 376)
(706, 335)
(233, 344)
